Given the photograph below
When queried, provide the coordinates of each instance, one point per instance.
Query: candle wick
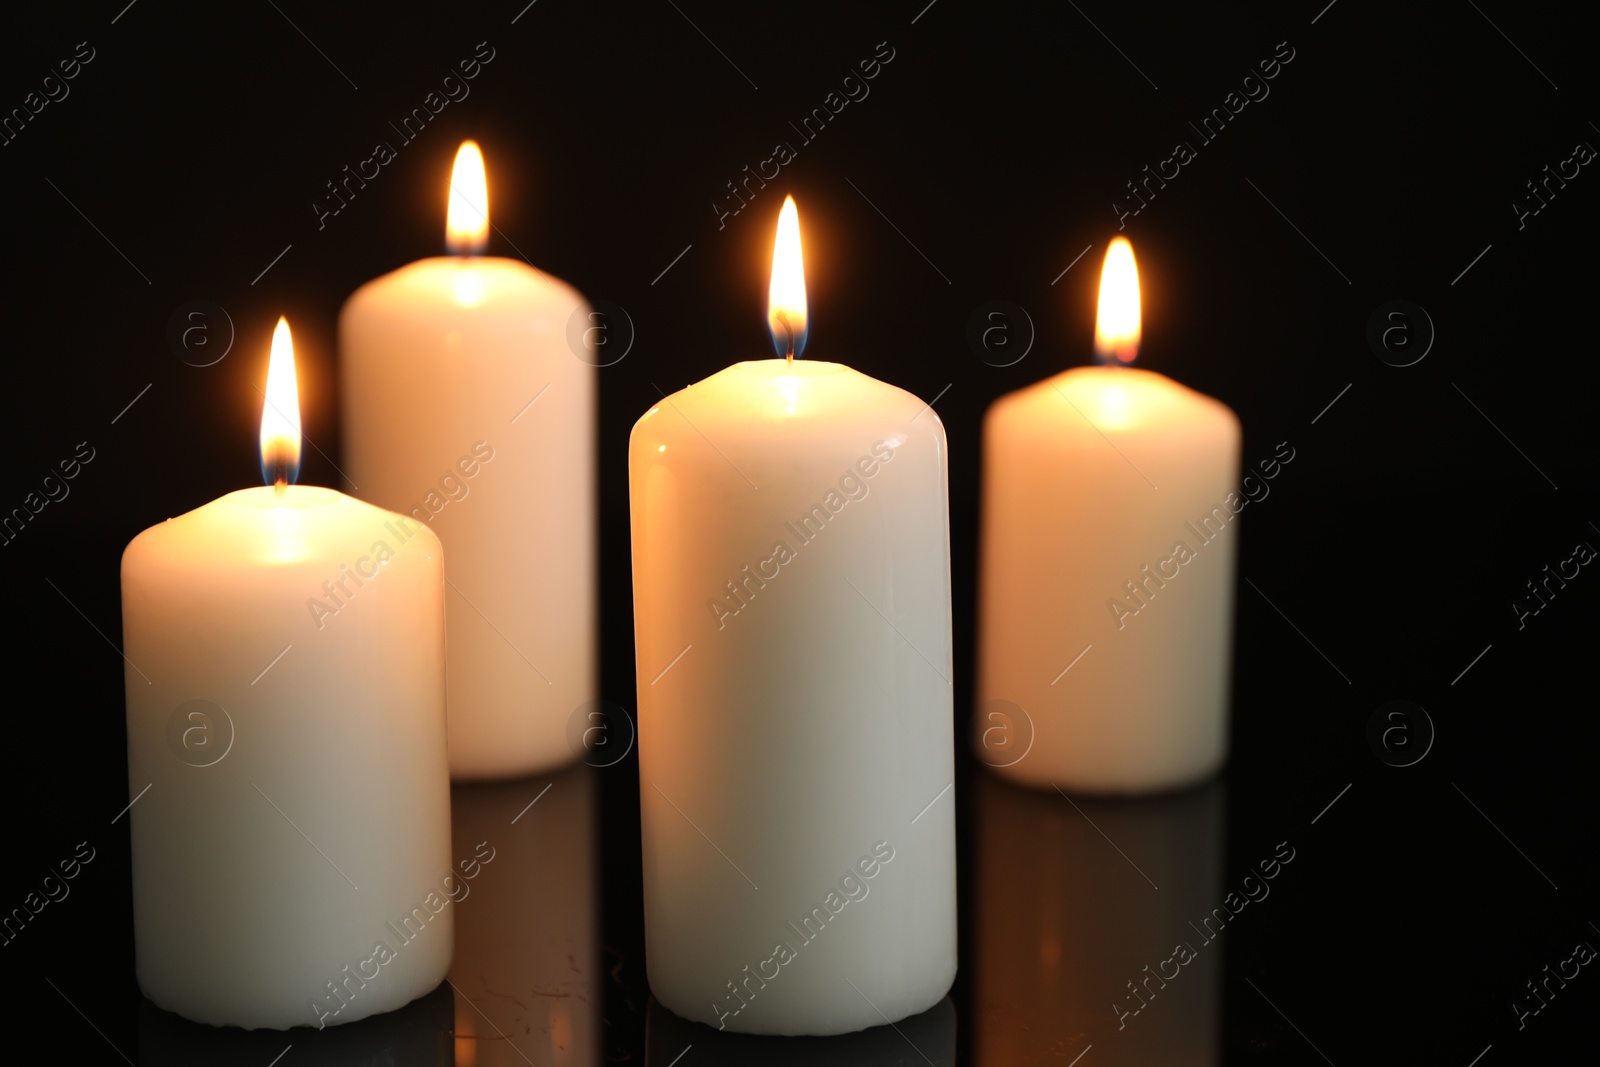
(788, 333)
(279, 471)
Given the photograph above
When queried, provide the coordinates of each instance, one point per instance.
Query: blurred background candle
(285, 681)
(465, 407)
(1106, 589)
(792, 620)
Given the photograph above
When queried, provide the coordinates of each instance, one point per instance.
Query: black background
(1383, 165)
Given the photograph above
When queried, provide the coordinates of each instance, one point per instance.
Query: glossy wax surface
(467, 406)
(1106, 584)
(792, 620)
(286, 753)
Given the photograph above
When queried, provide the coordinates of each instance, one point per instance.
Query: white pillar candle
(1109, 530)
(465, 407)
(291, 807)
(792, 621)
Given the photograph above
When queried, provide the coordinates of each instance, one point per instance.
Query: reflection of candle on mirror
(791, 577)
(527, 970)
(1070, 941)
(931, 1033)
(285, 682)
(1106, 594)
(465, 407)
(417, 1035)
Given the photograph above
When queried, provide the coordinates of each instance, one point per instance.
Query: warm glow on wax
(786, 292)
(1116, 326)
(280, 412)
(466, 226)
(428, 355)
(1149, 581)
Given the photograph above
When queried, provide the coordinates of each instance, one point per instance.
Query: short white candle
(291, 798)
(1109, 531)
(465, 407)
(793, 632)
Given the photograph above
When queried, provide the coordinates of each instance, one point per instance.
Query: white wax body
(439, 363)
(1092, 480)
(794, 727)
(284, 821)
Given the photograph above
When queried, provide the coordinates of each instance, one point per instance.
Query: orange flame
(280, 412)
(786, 292)
(466, 226)
(1117, 325)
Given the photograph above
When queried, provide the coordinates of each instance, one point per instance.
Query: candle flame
(280, 413)
(786, 292)
(466, 227)
(1116, 325)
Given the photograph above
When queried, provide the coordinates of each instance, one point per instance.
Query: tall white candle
(465, 407)
(291, 807)
(1110, 497)
(792, 621)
